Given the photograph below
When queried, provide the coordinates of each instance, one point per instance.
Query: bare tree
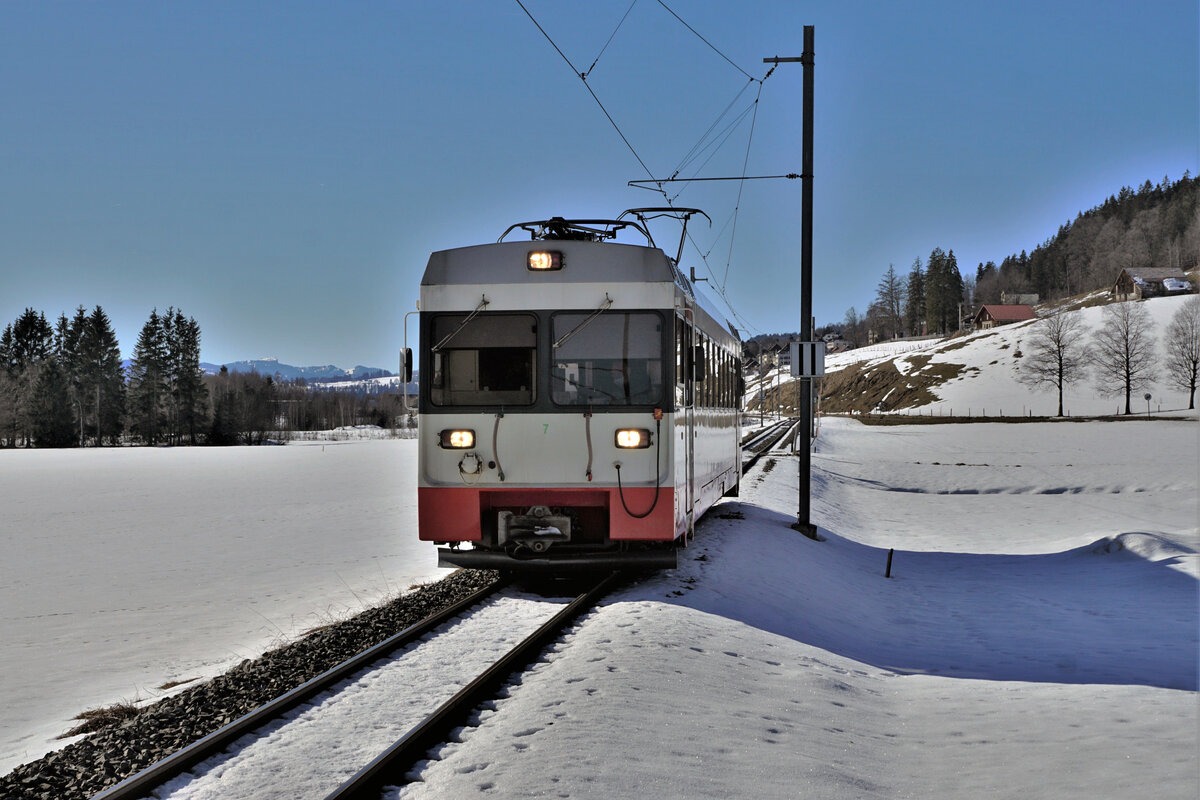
(852, 328)
(1057, 354)
(1183, 348)
(1123, 350)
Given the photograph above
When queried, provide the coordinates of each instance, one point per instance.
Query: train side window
(728, 381)
(486, 361)
(709, 376)
(731, 382)
(719, 355)
(680, 352)
(724, 403)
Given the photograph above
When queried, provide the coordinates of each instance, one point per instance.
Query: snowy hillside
(976, 375)
(287, 372)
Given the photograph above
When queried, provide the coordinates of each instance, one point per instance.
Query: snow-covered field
(1038, 636)
(127, 568)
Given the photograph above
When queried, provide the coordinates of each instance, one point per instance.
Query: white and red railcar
(578, 401)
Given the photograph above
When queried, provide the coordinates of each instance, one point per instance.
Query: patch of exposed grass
(97, 719)
(859, 389)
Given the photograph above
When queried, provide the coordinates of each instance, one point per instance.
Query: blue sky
(281, 171)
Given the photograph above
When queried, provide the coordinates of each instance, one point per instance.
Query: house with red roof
(991, 316)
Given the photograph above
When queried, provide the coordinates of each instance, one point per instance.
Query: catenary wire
(610, 38)
(741, 185)
(583, 77)
(706, 41)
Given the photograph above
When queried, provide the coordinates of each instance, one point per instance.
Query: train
(579, 400)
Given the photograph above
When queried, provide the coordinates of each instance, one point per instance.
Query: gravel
(107, 757)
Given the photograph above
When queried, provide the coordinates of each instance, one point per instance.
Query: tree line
(64, 385)
(928, 300)
(1154, 225)
(61, 385)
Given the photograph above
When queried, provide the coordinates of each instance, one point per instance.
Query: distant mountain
(287, 372)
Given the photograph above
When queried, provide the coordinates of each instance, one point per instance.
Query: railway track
(260, 731)
(766, 440)
(389, 766)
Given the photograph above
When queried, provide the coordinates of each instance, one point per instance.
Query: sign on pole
(808, 359)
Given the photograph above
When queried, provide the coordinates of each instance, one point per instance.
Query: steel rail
(754, 441)
(768, 440)
(769, 436)
(391, 766)
(142, 783)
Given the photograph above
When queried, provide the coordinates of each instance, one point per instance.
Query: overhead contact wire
(741, 185)
(583, 77)
(706, 41)
(610, 38)
(669, 200)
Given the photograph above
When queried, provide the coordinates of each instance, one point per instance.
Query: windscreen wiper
(603, 307)
(482, 305)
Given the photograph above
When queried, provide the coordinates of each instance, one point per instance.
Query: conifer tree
(53, 417)
(26, 344)
(8, 391)
(914, 307)
(935, 290)
(943, 291)
(189, 395)
(225, 426)
(102, 378)
(67, 334)
(889, 299)
(148, 382)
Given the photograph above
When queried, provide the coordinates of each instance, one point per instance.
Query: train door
(685, 404)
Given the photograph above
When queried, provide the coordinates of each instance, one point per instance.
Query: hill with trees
(1151, 226)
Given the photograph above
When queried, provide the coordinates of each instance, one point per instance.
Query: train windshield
(611, 359)
(489, 360)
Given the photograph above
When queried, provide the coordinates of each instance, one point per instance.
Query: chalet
(991, 316)
(1137, 283)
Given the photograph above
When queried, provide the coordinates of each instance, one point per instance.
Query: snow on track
(324, 743)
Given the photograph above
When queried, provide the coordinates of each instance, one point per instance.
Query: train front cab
(572, 439)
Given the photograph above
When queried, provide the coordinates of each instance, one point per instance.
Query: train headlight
(457, 439)
(633, 439)
(545, 260)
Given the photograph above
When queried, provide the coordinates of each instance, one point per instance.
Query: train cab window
(609, 359)
(489, 360)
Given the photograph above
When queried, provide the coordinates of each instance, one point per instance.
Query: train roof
(582, 262)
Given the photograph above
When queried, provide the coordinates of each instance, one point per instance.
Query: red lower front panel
(456, 514)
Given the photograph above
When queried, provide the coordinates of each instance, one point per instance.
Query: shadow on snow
(1113, 612)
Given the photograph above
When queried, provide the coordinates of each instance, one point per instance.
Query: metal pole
(803, 524)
